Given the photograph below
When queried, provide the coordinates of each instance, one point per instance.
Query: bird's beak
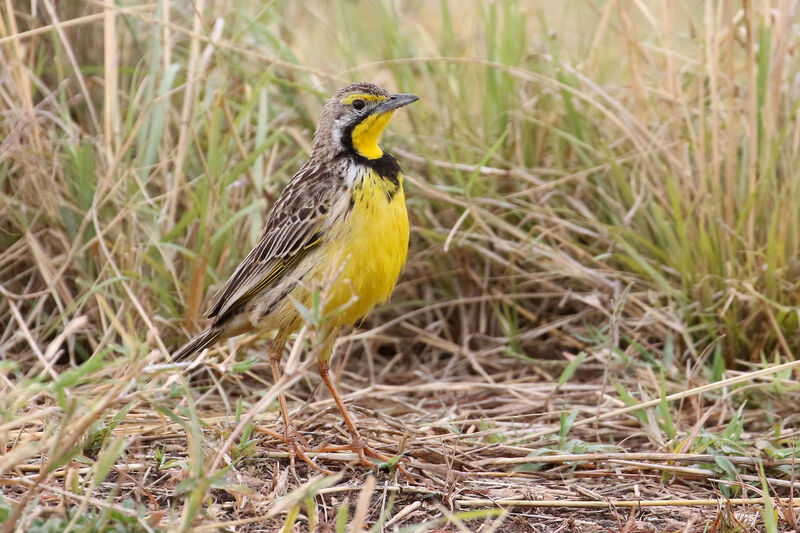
(395, 101)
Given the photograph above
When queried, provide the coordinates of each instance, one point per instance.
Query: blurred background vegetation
(561, 154)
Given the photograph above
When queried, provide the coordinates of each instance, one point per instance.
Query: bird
(339, 229)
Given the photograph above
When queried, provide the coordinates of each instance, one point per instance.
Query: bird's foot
(364, 450)
(297, 446)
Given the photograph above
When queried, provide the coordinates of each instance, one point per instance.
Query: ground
(491, 444)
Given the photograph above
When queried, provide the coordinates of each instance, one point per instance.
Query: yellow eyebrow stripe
(349, 99)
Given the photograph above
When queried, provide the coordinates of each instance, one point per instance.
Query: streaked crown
(354, 118)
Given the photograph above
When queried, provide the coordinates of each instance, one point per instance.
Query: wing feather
(294, 228)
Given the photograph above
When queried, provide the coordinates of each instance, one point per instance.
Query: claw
(296, 445)
(363, 450)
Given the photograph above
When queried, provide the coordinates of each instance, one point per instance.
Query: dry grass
(596, 329)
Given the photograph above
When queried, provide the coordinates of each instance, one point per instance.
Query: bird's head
(354, 119)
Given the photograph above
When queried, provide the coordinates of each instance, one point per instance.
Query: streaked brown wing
(293, 228)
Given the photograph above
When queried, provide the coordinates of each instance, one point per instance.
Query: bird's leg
(297, 445)
(359, 444)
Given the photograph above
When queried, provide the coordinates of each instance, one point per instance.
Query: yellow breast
(367, 250)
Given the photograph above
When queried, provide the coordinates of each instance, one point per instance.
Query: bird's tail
(197, 343)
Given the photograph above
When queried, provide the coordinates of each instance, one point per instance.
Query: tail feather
(199, 342)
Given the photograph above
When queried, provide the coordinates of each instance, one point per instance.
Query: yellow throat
(367, 134)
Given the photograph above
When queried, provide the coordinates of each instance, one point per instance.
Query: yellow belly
(366, 254)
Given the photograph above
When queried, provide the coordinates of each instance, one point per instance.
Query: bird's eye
(359, 104)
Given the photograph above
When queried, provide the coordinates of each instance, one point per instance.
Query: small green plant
(246, 447)
(566, 421)
(128, 518)
(5, 509)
